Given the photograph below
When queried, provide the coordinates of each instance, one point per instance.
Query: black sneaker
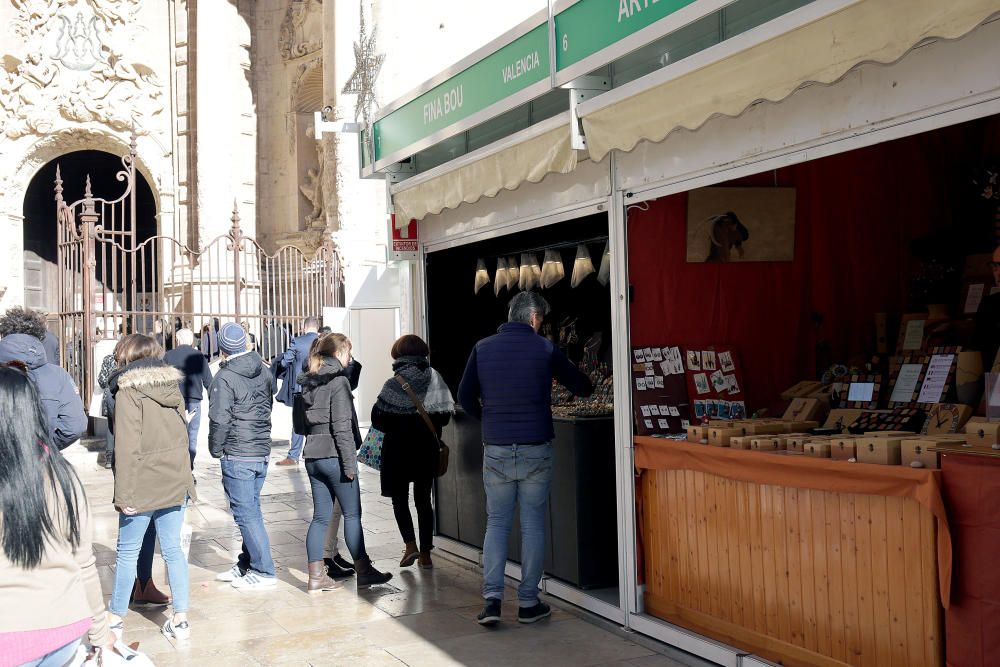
(533, 614)
(490, 615)
(334, 571)
(343, 563)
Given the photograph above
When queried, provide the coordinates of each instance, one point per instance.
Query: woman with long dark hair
(153, 478)
(410, 448)
(332, 438)
(48, 575)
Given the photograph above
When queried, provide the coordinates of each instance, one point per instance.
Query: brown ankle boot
(148, 594)
(410, 554)
(318, 581)
(425, 560)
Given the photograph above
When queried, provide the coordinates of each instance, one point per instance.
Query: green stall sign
(589, 26)
(499, 75)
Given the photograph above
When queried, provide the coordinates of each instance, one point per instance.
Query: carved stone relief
(301, 31)
(76, 66)
(312, 187)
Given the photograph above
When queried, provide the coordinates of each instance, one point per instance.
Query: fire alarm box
(403, 243)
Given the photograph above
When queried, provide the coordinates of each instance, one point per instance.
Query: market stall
(563, 263)
(786, 279)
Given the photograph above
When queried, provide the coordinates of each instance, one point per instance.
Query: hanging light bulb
(500, 280)
(583, 266)
(552, 269)
(604, 274)
(482, 275)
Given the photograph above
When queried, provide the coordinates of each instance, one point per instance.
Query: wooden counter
(758, 551)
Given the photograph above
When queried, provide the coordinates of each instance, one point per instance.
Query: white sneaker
(178, 632)
(231, 574)
(118, 629)
(252, 581)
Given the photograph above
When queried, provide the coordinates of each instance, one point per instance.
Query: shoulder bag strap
(420, 406)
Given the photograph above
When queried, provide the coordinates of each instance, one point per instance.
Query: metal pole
(236, 235)
(88, 220)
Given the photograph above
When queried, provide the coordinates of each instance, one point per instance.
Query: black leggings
(425, 515)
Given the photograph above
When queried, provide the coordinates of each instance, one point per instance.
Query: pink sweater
(17, 648)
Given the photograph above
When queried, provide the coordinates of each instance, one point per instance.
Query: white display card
(936, 378)
(974, 298)
(906, 383)
(914, 336)
(861, 392)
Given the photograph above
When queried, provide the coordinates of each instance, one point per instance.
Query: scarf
(426, 383)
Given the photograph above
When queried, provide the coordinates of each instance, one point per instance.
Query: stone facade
(221, 95)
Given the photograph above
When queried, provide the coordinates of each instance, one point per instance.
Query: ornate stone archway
(14, 188)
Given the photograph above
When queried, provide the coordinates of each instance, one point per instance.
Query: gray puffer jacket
(239, 408)
(64, 412)
(327, 413)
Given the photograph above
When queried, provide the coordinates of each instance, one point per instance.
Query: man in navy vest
(508, 384)
(294, 361)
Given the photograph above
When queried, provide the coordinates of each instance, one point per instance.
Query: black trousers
(425, 514)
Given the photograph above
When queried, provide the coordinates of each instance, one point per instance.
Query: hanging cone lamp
(482, 275)
(513, 274)
(500, 280)
(530, 271)
(583, 266)
(552, 269)
(604, 273)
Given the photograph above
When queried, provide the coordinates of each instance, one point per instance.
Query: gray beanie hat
(232, 339)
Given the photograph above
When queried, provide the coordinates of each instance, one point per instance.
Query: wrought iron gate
(112, 283)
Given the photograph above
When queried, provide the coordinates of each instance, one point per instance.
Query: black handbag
(443, 452)
(299, 426)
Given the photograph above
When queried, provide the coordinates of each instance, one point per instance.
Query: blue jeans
(144, 566)
(515, 474)
(328, 481)
(242, 481)
(193, 425)
(131, 531)
(298, 442)
(61, 656)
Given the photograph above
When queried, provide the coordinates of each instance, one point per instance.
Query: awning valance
(528, 160)
(822, 51)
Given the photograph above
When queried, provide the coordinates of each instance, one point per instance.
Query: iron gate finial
(59, 187)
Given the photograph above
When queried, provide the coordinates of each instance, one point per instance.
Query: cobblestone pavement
(419, 618)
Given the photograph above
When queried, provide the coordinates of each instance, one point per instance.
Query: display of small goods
(598, 404)
(924, 378)
(898, 419)
(659, 390)
(857, 390)
(715, 382)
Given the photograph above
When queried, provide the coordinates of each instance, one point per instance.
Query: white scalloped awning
(819, 52)
(530, 160)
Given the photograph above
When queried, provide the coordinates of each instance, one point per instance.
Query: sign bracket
(580, 90)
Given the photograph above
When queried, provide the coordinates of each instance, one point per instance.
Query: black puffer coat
(327, 413)
(239, 408)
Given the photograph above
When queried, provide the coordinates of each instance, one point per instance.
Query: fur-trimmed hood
(152, 378)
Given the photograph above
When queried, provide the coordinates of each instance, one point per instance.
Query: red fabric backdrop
(855, 216)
